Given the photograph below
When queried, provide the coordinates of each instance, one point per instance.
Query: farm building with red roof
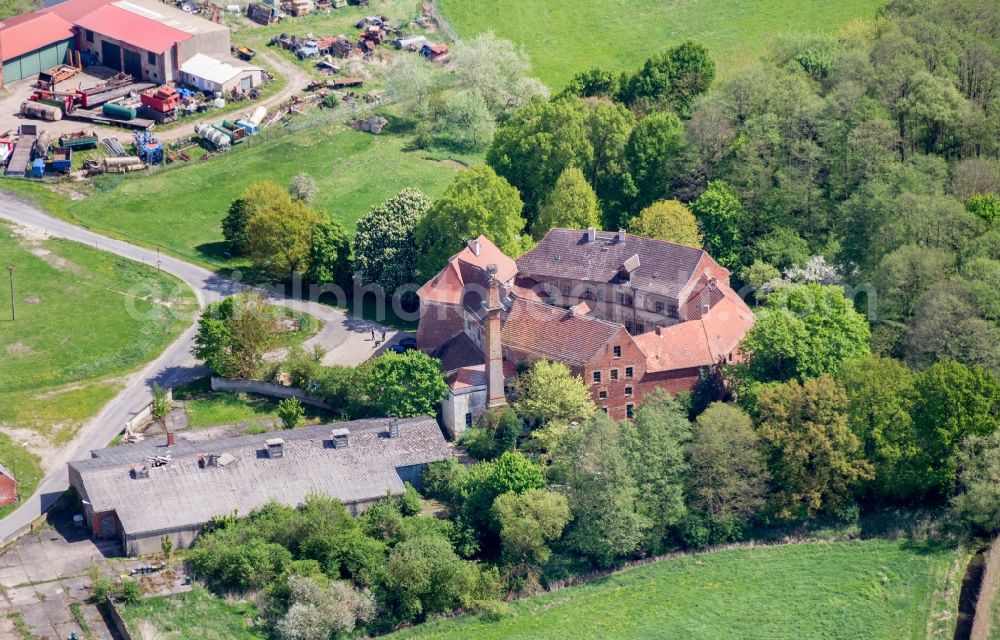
(145, 38)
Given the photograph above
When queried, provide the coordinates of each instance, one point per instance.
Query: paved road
(345, 338)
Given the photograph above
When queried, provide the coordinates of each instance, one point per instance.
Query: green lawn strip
(23, 464)
(77, 610)
(194, 614)
(22, 628)
(870, 590)
(564, 37)
(37, 192)
(83, 317)
(181, 208)
(206, 408)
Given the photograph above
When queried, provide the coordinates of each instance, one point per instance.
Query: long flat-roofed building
(141, 492)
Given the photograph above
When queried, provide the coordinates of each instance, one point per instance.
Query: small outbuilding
(208, 73)
(8, 487)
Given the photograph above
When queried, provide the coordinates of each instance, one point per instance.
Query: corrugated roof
(73, 10)
(26, 33)
(659, 267)
(212, 69)
(545, 331)
(181, 494)
(132, 28)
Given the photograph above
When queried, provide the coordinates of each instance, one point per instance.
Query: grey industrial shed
(141, 492)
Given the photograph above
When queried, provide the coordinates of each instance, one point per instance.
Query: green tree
(280, 235)
(536, 143)
(512, 472)
(384, 247)
(462, 120)
(572, 204)
(494, 432)
(591, 83)
(529, 523)
(291, 412)
(654, 448)
(653, 153)
(880, 397)
(667, 220)
(253, 199)
(815, 459)
(549, 392)
(161, 403)
(986, 206)
(805, 330)
(234, 334)
(329, 252)
(722, 220)
(592, 468)
(424, 576)
(320, 609)
(977, 502)
(477, 202)
(675, 76)
(405, 384)
(727, 479)
(497, 70)
(952, 402)
(905, 275)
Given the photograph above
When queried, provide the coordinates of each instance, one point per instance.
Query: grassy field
(195, 614)
(564, 37)
(181, 209)
(84, 318)
(866, 590)
(234, 408)
(23, 464)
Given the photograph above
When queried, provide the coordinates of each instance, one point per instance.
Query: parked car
(307, 49)
(404, 345)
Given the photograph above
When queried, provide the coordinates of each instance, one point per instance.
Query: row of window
(603, 395)
(629, 373)
(629, 411)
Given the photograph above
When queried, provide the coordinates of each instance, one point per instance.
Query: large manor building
(627, 314)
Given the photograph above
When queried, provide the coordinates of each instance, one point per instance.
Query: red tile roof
(26, 33)
(447, 285)
(475, 376)
(131, 28)
(543, 331)
(698, 343)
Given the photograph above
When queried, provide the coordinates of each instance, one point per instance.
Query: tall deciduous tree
(529, 523)
(952, 402)
(722, 221)
(727, 477)
(497, 70)
(572, 204)
(591, 467)
(815, 459)
(880, 398)
(280, 236)
(406, 385)
(253, 199)
(654, 448)
(384, 247)
(234, 334)
(977, 502)
(549, 392)
(805, 330)
(477, 202)
(675, 77)
(667, 220)
(654, 155)
(329, 252)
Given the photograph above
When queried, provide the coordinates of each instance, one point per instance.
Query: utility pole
(10, 272)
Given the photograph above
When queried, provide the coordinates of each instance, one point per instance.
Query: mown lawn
(84, 318)
(864, 590)
(25, 467)
(206, 408)
(564, 37)
(181, 209)
(195, 614)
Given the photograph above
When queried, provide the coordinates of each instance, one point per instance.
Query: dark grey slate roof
(180, 494)
(663, 268)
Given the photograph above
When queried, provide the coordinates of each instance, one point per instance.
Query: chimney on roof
(394, 428)
(341, 438)
(591, 234)
(474, 247)
(171, 439)
(275, 447)
(493, 345)
(659, 329)
(621, 235)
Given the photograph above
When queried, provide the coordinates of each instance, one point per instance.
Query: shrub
(409, 502)
(291, 413)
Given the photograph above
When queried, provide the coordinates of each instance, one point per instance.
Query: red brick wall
(605, 362)
(8, 491)
(673, 381)
(439, 323)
